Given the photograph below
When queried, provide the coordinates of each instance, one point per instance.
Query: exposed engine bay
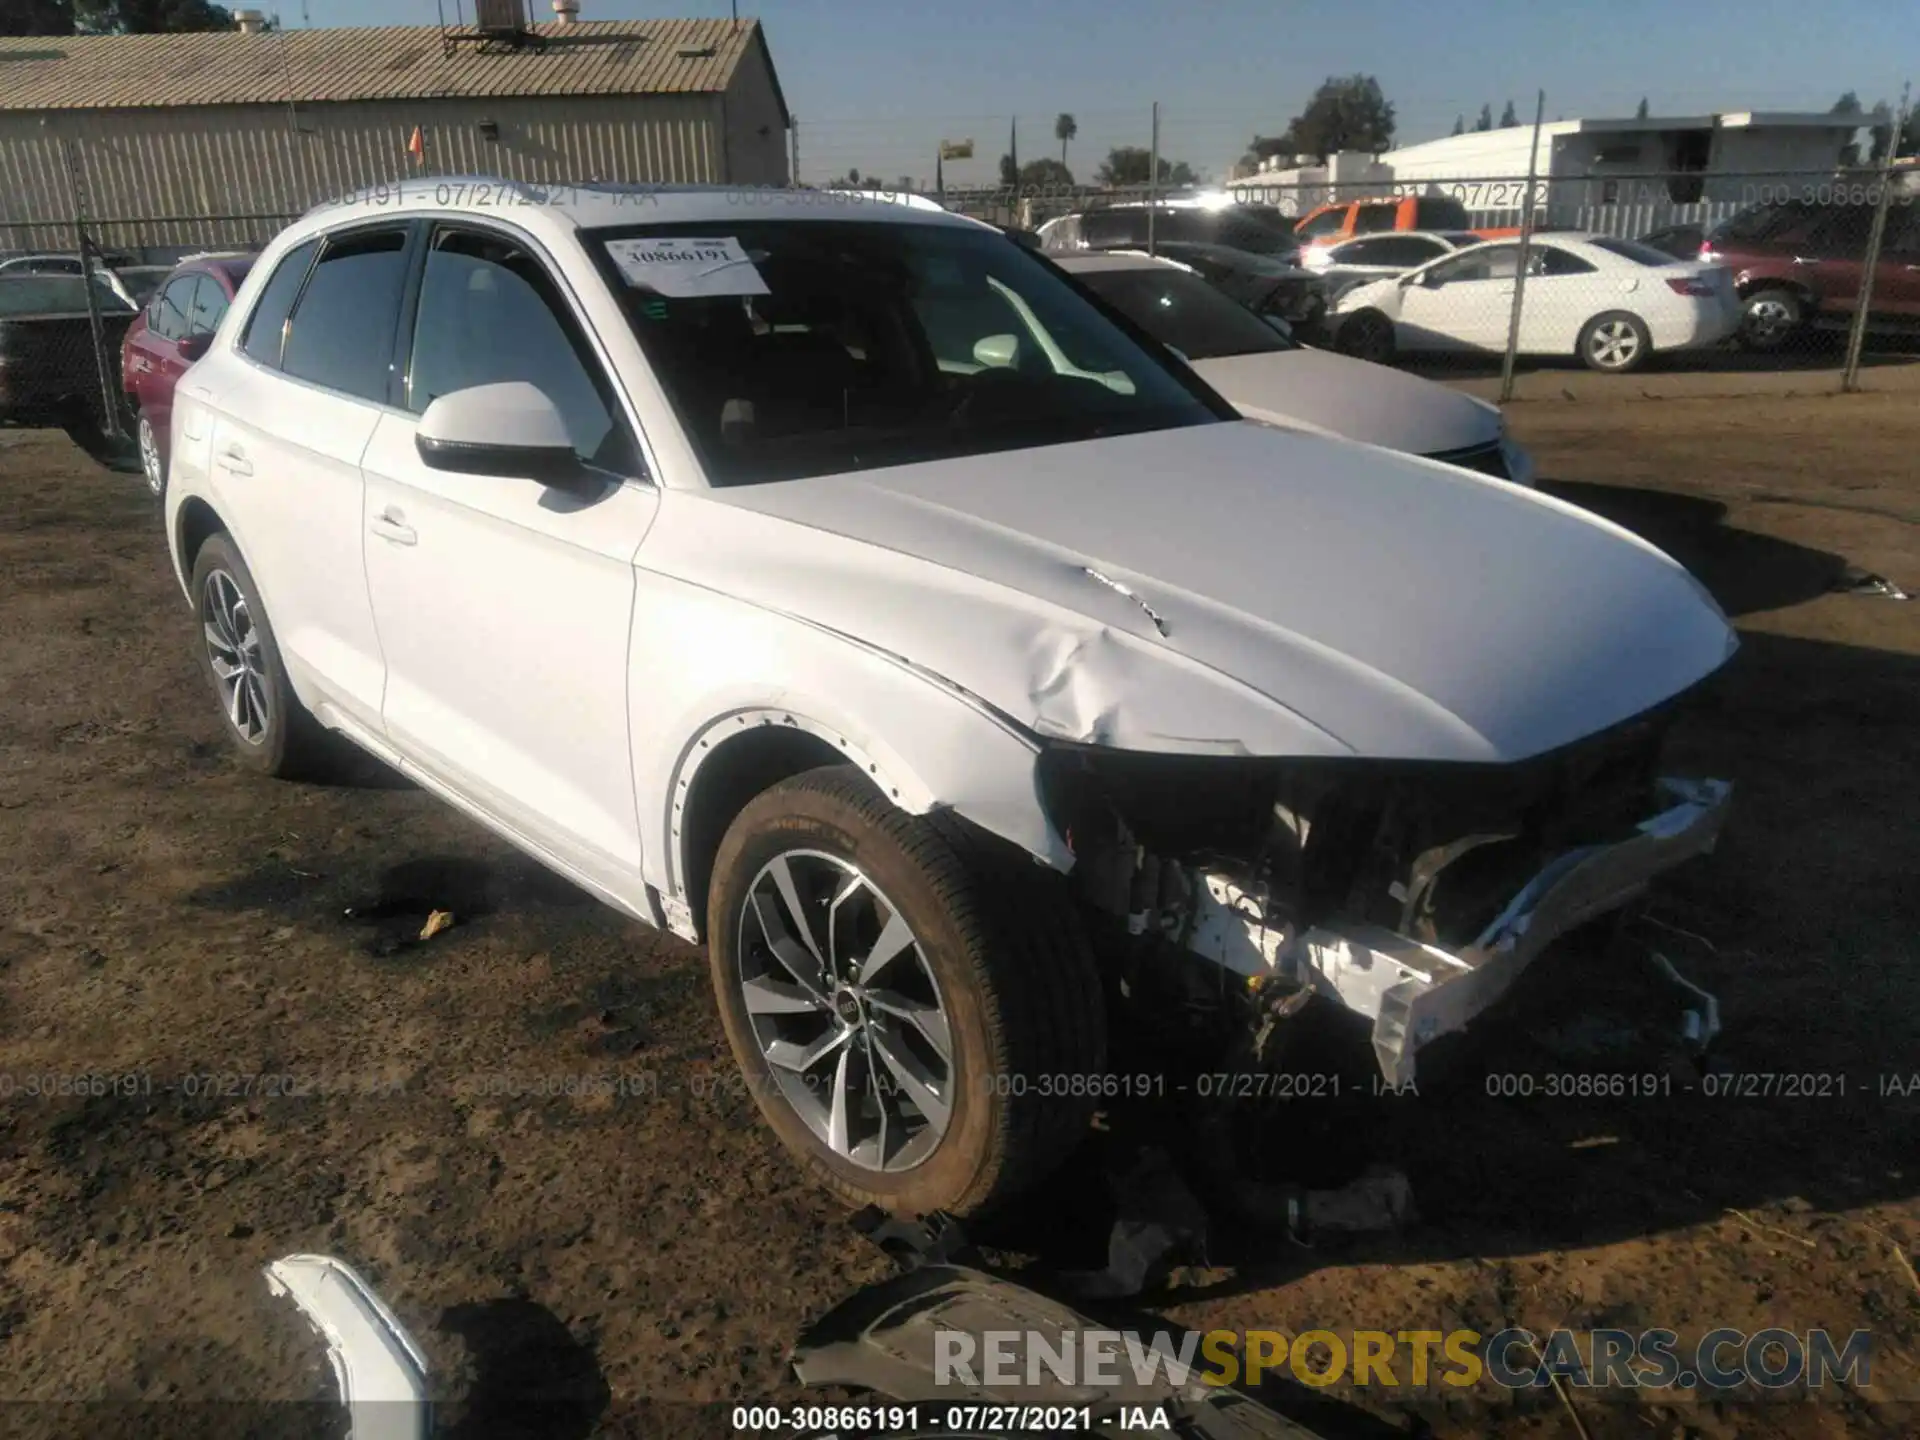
(1413, 893)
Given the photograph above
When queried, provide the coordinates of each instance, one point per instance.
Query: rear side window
(1372, 219)
(1630, 250)
(266, 327)
(168, 317)
(1554, 261)
(1771, 224)
(1845, 231)
(341, 334)
(209, 305)
(1440, 213)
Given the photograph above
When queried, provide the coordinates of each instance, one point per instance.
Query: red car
(167, 337)
(1799, 264)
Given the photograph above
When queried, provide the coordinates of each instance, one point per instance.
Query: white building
(1615, 176)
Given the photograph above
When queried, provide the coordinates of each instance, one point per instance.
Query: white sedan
(743, 558)
(1271, 378)
(1611, 302)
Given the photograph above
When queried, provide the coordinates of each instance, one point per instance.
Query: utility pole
(793, 151)
(1526, 247)
(1153, 178)
(1856, 341)
(89, 258)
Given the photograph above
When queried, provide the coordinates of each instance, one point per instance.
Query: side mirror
(194, 346)
(510, 429)
(996, 352)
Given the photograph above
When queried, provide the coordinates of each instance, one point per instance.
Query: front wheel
(917, 1015)
(1770, 320)
(1615, 343)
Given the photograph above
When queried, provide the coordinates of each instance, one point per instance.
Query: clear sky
(876, 83)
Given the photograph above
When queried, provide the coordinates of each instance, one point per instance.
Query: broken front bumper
(1415, 992)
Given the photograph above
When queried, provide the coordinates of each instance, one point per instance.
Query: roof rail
(424, 185)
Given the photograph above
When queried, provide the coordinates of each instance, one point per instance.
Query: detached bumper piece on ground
(382, 1372)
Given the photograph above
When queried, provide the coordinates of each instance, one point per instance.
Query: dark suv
(1799, 263)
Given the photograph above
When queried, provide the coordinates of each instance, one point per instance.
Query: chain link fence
(1743, 274)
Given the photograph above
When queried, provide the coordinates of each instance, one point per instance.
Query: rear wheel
(917, 1015)
(1771, 319)
(1367, 336)
(1615, 342)
(271, 731)
(152, 467)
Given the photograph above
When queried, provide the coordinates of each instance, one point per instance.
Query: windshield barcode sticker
(687, 267)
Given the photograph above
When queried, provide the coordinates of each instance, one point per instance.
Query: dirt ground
(575, 1263)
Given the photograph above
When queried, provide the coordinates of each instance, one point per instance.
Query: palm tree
(1065, 127)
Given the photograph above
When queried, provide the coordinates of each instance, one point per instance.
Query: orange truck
(1344, 219)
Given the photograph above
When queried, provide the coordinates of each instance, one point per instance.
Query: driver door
(1460, 304)
(504, 607)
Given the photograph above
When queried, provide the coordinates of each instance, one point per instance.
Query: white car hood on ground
(1318, 598)
(1338, 395)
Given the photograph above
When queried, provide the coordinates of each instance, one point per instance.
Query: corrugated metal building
(161, 132)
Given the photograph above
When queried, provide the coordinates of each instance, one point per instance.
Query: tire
(285, 742)
(1771, 319)
(153, 466)
(1367, 336)
(992, 943)
(1615, 343)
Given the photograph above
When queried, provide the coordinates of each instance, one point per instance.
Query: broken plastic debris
(381, 1371)
(1698, 1027)
(1855, 581)
(436, 922)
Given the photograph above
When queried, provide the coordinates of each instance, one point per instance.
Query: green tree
(1347, 112)
(1459, 125)
(1509, 117)
(110, 17)
(1643, 111)
(1485, 122)
(1132, 164)
(1065, 127)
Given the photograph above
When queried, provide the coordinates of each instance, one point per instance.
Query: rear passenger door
(291, 425)
(505, 606)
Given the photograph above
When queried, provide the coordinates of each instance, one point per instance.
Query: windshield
(812, 347)
(35, 295)
(1185, 312)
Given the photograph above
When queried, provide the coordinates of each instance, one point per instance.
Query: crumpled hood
(1339, 395)
(1318, 598)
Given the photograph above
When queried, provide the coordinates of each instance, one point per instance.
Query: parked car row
(50, 373)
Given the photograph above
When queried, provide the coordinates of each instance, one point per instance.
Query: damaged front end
(1413, 894)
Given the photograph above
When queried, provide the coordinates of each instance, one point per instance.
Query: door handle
(234, 461)
(392, 525)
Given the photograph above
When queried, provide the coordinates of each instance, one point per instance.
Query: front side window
(1494, 262)
(489, 314)
(341, 333)
(1401, 251)
(267, 326)
(1439, 213)
(1185, 312)
(795, 348)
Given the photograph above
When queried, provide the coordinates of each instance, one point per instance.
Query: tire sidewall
(1784, 335)
(809, 820)
(270, 754)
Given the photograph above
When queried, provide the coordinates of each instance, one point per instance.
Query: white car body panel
(1474, 315)
(562, 675)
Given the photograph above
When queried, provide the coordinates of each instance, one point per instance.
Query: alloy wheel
(150, 455)
(239, 662)
(1769, 319)
(1614, 345)
(845, 1010)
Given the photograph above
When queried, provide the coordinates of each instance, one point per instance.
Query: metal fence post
(1526, 245)
(1153, 178)
(1857, 332)
(102, 363)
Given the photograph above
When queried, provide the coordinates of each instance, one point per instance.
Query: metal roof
(390, 62)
